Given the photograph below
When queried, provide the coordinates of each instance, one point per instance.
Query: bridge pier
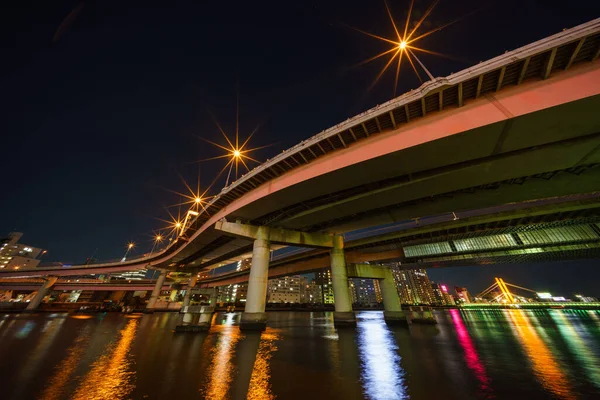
(41, 293)
(254, 316)
(188, 292)
(392, 314)
(343, 315)
(204, 319)
(156, 292)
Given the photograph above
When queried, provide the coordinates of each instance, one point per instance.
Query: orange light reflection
(260, 387)
(64, 371)
(221, 371)
(110, 377)
(545, 367)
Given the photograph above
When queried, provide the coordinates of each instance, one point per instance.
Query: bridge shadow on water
(468, 354)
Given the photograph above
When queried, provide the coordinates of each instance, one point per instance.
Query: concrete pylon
(392, 313)
(343, 315)
(156, 292)
(41, 293)
(254, 316)
(213, 297)
(188, 292)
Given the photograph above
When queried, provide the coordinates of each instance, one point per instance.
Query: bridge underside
(518, 156)
(520, 127)
(563, 231)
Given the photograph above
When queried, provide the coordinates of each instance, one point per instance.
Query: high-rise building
(413, 286)
(131, 275)
(312, 294)
(323, 279)
(232, 293)
(463, 294)
(441, 297)
(364, 291)
(289, 289)
(14, 255)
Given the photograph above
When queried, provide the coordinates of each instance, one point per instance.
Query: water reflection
(221, 370)
(260, 385)
(514, 354)
(110, 376)
(471, 356)
(65, 370)
(382, 375)
(574, 337)
(545, 367)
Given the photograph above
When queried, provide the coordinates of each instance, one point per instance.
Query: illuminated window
(558, 235)
(485, 242)
(427, 249)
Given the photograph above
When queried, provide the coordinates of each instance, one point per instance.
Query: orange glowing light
(234, 151)
(404, 44)
(111, 375)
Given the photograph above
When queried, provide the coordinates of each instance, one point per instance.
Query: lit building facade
(232, 293)
(312, 294)
(441, 297)
(365, 291)
(290, 289)
(413, 285)
(14, 255)
(131, 275)
(463, 294)
(323, 279)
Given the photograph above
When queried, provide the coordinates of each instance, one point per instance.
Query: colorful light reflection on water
(471, 357)
(382, 375)
(469, 354)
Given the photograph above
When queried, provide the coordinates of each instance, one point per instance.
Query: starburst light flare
(235, 152)
(403, 45)
(197, 199)
(174, 226)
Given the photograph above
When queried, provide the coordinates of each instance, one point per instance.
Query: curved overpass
(518, 127)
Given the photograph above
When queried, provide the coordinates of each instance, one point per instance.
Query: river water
(468, 355)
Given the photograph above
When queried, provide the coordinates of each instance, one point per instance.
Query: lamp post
(157, 240)
(129, 247)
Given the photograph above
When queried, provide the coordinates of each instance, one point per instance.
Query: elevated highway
(518, 127)
(82, 284)
(558, 231)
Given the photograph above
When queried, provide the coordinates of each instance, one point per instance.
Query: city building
(131, 275)
(365, 291)
(313, 294)
(15, 255)
(323, 279)
(289, 289)
(413, 285)
(441, 297)
(232, 293)
(585, 299)
(463, 294)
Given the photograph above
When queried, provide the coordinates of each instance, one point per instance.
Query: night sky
(103, 102)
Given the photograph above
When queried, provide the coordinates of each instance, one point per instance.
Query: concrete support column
(213, 298)
(392, 313)
(188, 292)
(343, 315)
(41, 293)
(156, 292)
(254, 316)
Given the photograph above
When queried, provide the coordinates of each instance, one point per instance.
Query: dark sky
(101, 114)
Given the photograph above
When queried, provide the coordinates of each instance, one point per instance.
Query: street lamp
(157, 239)
(130, 246)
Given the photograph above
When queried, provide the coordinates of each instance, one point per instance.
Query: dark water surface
(467, 355)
